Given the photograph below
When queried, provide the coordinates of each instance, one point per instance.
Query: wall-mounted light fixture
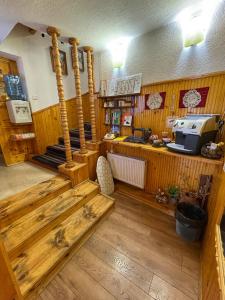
(118, 49)
(195, 22)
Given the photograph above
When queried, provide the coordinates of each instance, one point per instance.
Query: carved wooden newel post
(89, 51)
(54, 33)
(74, 42)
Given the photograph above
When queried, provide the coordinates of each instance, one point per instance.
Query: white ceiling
(94, 22)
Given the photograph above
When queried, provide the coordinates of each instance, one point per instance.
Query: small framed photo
(80, 59)
(62, 60)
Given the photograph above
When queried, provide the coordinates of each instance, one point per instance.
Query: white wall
(160, 55)
(32, 53)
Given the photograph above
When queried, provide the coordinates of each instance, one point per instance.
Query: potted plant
(173, 193)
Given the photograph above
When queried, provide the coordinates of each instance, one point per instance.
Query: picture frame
(62, 59)
(80, 59)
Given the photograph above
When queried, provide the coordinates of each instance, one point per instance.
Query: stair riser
(25, 210)
(55, 269)
(43, 231)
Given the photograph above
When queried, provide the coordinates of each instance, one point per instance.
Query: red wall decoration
(193, 98)
(155, 100)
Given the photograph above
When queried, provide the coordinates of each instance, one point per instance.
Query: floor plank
(79, 280)
(142, 235)
(161, 290)
(162, 227)
(190, 266)
(59, 290)
(110, 279)
(134, 272)
(155, 262)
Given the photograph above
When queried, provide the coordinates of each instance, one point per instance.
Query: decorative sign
(155, 100)
(193, 98)
(122, 86)
(14, 87)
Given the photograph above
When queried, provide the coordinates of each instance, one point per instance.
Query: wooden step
(35, 265)
(34, 225)
(22, 203)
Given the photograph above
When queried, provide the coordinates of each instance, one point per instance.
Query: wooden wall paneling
(47, 128)
(9, 289)
(157, 119)
(164, 170)
(212, 260)
(47, 123)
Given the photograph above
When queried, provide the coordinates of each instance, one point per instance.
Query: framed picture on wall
(62, 60)
(80, 59)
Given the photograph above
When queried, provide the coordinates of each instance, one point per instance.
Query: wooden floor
(134, 254)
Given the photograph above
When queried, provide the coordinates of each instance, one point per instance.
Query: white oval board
(104, 174)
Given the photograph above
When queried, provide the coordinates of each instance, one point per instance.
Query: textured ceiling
(94, 22)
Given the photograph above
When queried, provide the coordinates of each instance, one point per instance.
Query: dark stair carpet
(49, 160)
(55, 155)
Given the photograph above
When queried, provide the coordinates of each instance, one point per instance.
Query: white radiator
(128, 169)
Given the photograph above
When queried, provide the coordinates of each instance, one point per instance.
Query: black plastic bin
(190, 221)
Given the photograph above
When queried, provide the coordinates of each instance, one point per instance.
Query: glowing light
(195, 21)
(118, 49)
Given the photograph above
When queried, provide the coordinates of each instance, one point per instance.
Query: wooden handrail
(54, 33)
(74, 43)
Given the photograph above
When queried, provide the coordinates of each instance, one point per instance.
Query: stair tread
(30, 196)
(16, 233)
(42, 257)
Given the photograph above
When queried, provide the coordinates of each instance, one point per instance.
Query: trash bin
(190, 221)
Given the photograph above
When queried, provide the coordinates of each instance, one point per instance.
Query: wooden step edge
(16, 251)
(21, 211)
(55, 269)
(108, 197)
(87, 180)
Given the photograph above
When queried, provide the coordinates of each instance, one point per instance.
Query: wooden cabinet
(13, 152)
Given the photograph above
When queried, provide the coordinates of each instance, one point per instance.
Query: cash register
(192, 132)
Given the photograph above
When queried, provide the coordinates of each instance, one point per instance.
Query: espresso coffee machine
(192, 132)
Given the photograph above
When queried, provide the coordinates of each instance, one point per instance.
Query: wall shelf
(22, 137)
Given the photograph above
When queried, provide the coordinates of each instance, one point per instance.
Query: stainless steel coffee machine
(192, 132)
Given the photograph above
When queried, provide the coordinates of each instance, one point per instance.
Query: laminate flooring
(134, 254)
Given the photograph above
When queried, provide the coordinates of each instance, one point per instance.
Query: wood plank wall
(215, 102)
(164, 170)
(13, 152)
(47, 123)
(156, 120)
(212, 258)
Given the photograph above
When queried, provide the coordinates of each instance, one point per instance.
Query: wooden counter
(165, 151)
(165, 168)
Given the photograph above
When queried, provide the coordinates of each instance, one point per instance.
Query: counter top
(165, 151)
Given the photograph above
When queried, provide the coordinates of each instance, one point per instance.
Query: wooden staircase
(43, 226)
